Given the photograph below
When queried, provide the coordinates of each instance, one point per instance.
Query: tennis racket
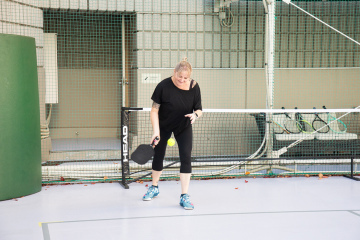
(290, 124)
(333, 123)
(144, 153)
(304, 126)
(278, 129)
(319, 123)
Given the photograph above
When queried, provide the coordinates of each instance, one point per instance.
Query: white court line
(46, 233)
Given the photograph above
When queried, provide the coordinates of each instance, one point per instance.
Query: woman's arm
(199, 113)
(154, 117)
(193, 116)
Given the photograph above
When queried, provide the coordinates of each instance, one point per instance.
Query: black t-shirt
(175, 103)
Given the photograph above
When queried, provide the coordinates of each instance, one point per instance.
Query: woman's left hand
(192, 117)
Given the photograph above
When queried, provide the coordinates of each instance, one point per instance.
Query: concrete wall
(88, 107)
(246, 89)
(308, 88)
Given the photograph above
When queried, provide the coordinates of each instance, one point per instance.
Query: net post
(352, 171)
(125, 147)
(125, 172)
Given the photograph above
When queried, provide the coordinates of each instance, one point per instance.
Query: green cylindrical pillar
(20, 144)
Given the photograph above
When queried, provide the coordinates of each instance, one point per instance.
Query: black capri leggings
(184, 140)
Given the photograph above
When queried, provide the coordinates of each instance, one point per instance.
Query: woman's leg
(160, 149)
(185, 182)
(157, 166)
(155, 177)
(184, 140)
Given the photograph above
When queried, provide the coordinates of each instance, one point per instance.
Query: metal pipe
(123, 60)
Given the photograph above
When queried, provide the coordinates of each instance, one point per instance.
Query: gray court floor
(262, 208)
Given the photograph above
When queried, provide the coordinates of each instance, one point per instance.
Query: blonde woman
(176, 106)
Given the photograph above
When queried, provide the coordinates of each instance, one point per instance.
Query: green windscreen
(20, 152)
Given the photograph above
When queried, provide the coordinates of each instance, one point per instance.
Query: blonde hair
(183, 65)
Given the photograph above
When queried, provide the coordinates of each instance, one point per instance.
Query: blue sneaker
(151, 193)
(185, 202)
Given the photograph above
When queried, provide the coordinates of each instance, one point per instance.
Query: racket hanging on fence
(332, 121)
(278, 129)
(291, 125)
(303, 124)
(319, 125)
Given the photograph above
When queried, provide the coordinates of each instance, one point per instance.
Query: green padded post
(20, 144)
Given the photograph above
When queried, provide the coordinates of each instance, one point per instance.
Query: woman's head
(183, 66)
(182, 73)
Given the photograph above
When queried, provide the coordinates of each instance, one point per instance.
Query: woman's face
(181, 78)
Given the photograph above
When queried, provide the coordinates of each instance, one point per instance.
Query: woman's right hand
(155, 141)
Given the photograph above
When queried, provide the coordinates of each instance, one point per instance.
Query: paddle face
(143, 154)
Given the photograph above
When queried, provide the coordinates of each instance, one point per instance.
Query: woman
(176, 106)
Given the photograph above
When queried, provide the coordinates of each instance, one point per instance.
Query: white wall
(23, 18)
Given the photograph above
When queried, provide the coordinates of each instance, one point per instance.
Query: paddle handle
(153, 143)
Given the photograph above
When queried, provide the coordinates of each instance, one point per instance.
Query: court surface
(262, 208)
